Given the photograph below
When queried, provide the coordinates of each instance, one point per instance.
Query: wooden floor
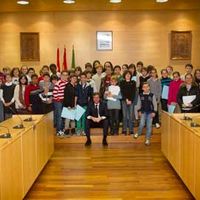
(126, 169)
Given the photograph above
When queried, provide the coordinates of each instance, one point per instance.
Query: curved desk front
(180, 144)
(23, 156)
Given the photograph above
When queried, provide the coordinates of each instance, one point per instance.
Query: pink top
(173, 91)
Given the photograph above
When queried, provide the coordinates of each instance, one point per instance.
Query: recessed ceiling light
(69, 1)
(115, 1)
(161, 1)
(24, 2)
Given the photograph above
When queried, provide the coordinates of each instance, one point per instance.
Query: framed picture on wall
(29, 46)
(181, 45)
(104, 40)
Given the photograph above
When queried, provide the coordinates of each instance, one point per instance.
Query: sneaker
(157, 125)
(78, 132)
(60, 134)
(136, 135)
(147, 142)
(83, 133)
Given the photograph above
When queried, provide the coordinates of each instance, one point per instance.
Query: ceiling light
(115, 1)
(161, 1)
(23, 2)
(69, 1)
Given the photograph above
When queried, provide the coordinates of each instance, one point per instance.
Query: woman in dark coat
(189, 88)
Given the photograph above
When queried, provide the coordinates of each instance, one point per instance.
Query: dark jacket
(69, 96)
(91, 111)
(147, 103)
(128, 90)
(83, 94)
(194, 90)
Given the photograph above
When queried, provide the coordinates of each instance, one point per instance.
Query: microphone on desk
(187, 118)
(21, 125)
(194, 124)
(29, 119)
(5, 135)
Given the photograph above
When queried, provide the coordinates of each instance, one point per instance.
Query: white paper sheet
(114, 89)
(188, 99)
(165, 92)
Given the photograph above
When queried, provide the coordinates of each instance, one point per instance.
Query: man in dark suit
(97, 116)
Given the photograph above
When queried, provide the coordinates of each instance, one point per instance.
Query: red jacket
(41, 78)
(28, 90)
(173, 91)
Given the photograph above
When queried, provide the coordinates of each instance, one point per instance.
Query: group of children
(133, 94)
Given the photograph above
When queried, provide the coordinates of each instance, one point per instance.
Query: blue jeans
(58, 121)
(146, 118)
(128, 116)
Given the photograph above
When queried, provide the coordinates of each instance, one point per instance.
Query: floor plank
(126, 170)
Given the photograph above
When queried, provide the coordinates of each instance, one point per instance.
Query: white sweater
(18, 104)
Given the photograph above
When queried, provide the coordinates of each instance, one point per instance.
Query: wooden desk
(180, 143)
(24, 155)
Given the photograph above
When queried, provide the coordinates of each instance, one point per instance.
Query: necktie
(96, 110)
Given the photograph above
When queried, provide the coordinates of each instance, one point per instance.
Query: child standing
(83, 96)
(46, 94)
(105, 82)
(98, 76)
(165, 81)
(117, 72)
(31, 96)
(147, 108)
(155, 88)
(69, 102)
(135, 77)
(90, 81)
(170, 71)
(128, 91)
(8, 96)
(58, 96)
(113, 105)
(19, 95)
(143, 78)
(188, 70)
(174, 88)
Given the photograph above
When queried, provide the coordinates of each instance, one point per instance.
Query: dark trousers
(114, 121)
(46, 108)
(102, 124)
(164, 105)
(36, 104)
(58, 121)
(156, 118)
(1, 111)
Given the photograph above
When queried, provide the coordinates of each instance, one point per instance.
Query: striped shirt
(58, 92)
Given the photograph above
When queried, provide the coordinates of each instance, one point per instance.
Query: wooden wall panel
(143, 35)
